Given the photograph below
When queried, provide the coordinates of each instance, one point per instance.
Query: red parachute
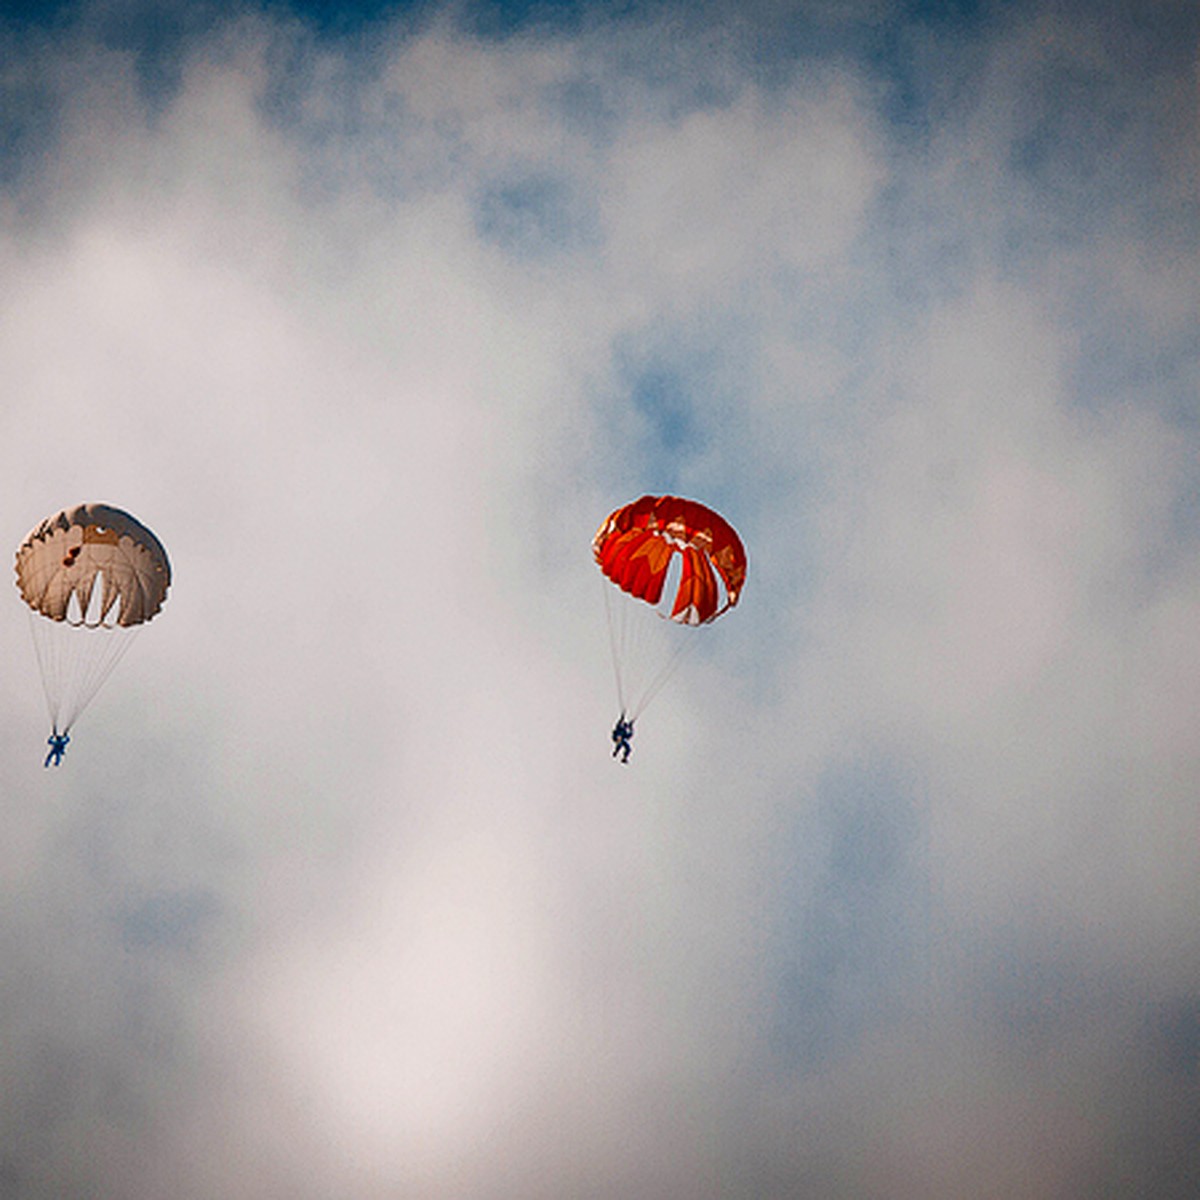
(636, 544)
(664, 544)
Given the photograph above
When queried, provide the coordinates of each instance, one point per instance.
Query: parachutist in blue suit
(58, 747)
(621, 735)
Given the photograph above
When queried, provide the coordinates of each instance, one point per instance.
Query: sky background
(373, 312)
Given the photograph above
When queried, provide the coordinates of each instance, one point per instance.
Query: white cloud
(699, 207)
(338, 876)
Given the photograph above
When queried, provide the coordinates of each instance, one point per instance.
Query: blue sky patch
(531, 216)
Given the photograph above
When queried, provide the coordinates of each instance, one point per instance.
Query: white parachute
(92, 576)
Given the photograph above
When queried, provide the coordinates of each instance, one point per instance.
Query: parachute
(92, 576)
(663, 546)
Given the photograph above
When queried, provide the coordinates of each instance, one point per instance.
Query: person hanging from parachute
(91, 576)
(657, 545)
(622, 735)
(58, 747)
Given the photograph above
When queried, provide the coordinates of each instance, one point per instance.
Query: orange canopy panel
(635, 545)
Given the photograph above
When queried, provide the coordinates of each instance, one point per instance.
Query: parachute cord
(658, 681)
(49, 668)
(632, 634)
(74, 664)
(616, 645)
(93, 678)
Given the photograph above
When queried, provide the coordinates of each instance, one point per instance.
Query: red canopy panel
(635, 545)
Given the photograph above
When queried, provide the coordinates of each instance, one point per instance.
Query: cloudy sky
(373, 312)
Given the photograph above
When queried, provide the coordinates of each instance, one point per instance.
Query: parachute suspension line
(75, 661)
(660, 679)
(616, 628)
(49, 658)
(635, 633)
(99, 667)
(647, 650)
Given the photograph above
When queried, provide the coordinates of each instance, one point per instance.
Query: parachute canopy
(656, 546)
(60, 564)
(92, 577)
(635, 545)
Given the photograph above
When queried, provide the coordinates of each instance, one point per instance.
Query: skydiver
(58, 747)
(621, 735)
